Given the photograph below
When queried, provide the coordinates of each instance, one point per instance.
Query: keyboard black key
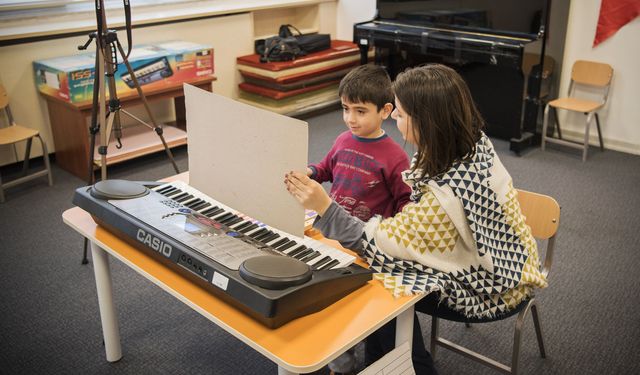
(201, 206)
(209, 210)
(258, 233)
(297, 250)
(222, 217)
(281, 242)
(249, 228)
(321, 262)
(287, 245)
(194, 203)
(165, 189)
(232, 221)
(216, 212)
(264, 235)
(242, 226)
(329, 265)
(303, 254)
(310, 257)
(270, 238)
(189, 196)
(180, 196)
(173, 193)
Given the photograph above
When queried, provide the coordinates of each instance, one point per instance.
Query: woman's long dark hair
(445, 121)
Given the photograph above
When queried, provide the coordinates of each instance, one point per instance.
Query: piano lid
(513, 18)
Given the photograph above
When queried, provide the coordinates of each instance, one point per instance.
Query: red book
(309, 81)
(275, 94)
(298, 76)
(339, 49)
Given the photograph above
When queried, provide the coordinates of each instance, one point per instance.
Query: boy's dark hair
(445, 121)
(367, 84)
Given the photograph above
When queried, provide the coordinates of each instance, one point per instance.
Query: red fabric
(613, 15)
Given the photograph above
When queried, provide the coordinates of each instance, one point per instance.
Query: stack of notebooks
(301, 85)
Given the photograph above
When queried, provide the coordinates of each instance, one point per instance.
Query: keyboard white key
(337, 257)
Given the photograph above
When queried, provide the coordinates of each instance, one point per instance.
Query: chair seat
(16, 133)
(429, 305)
(577, 105)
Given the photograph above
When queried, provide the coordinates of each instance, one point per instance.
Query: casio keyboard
(270, 275)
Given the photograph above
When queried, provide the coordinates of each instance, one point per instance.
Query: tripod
(106, 61)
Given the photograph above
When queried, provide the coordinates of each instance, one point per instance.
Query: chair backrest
(542, 214)
(591, 73)
(4, 106)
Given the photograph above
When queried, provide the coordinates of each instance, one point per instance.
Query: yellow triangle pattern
(513, 297)
(393, 284)
(422, 227)
(531, 274)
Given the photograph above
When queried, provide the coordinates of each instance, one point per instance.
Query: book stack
(297, 86)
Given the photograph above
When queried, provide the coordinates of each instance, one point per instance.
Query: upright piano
(486, 41)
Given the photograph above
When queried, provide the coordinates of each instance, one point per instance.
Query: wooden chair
(543, 216)
(15, 133)
(585, 73)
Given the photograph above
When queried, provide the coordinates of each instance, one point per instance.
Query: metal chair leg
(545, 124)
(555, 116)
(45, 157)
(538, 327)
(434, 336)
(517, 335)
(27, 154)
(586, 138)
(599, 132)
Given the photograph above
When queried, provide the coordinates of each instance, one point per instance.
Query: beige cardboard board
(239, 154)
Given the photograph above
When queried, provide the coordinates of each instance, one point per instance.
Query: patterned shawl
(499, 236)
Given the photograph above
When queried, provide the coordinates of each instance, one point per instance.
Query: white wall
(620, 118)
(350, 12)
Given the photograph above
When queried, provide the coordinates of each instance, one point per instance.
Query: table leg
(108, 315)
(404, 327)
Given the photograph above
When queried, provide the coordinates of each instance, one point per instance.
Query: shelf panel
(138, 141)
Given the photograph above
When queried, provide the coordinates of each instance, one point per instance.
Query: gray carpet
(50, 322)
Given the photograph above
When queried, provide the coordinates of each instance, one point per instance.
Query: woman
(463, 238)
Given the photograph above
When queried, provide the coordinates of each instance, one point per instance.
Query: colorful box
(70, 78)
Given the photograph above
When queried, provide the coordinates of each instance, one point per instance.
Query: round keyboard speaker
(275, 272)
(118, 189)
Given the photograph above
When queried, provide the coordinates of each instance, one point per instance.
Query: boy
(364, 164)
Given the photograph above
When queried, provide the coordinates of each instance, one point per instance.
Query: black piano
(484, 40)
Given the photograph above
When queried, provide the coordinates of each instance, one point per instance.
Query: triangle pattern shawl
(473, 291)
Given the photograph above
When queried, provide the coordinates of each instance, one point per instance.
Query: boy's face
(403, 121)
(363, 119)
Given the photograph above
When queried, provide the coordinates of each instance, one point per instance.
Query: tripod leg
(156, 128)
(93, 130)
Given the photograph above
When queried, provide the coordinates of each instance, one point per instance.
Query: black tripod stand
(106, 62)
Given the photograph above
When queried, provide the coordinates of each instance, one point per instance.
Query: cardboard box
(70, 78)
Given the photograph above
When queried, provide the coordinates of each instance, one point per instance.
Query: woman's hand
(308, 192)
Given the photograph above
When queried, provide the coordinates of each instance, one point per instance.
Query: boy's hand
(308, 192)
(309, 171)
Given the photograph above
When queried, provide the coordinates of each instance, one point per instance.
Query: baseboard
(609, 144)
(16, 166)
